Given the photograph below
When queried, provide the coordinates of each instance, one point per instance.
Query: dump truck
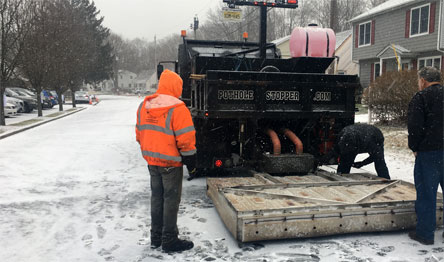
(253, 110)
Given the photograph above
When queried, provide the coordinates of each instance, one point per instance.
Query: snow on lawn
(77, 189)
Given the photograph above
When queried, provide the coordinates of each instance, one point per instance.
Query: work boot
(412, 235)
(177, 245)
(155, 243)
(156, 240)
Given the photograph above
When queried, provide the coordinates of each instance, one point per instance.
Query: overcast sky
(146, 18)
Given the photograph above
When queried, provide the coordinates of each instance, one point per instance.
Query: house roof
(145, 75)
(383, 8)
(401, 51)
(123, 71)
(341, 37)
(281, 40)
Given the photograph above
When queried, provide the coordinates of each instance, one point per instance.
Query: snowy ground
(77, 189)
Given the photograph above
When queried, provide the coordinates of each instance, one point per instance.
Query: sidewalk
(25, 122)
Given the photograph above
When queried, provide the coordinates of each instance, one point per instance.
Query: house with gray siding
(398, 35)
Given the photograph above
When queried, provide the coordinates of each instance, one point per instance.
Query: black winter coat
(359, 138)
(425, 120)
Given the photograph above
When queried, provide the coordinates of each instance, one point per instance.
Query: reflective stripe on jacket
(164, 128)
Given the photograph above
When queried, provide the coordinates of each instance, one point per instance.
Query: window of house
(377, 70)
(429, 61)
(406, 66)
(121, 77)
(365, 33)
(419, 24)
(129, 85)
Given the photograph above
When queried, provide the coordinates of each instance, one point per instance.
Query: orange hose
(296, 141)
(275, 141)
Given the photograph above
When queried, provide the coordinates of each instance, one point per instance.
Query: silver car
(10, 109)
(30, 103)
(81, 97)
(19, 104)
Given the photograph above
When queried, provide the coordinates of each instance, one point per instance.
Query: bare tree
(218, 29)
(34, 63)
(11, 42)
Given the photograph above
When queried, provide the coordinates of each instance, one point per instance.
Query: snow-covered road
(77, 189)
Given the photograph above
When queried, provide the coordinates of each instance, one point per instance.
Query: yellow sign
(232, 15)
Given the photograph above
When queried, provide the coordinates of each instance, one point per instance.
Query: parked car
(23, 90)
(30, 103)
(81, 97)
(49, 97)
(54, 94)
(17, 102)
(10, 109)
(46, 101)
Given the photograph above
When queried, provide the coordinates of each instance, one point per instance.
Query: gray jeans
(166, 190)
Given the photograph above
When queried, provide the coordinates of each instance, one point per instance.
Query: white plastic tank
(312, 41)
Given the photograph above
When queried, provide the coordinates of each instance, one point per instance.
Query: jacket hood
(159, 104)
(170, 84)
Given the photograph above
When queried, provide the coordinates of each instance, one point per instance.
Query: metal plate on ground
(265, 207)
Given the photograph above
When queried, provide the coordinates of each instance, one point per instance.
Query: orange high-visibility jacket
(164, 128)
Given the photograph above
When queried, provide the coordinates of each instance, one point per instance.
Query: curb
(39, 124)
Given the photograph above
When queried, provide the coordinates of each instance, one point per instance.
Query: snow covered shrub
(389, 95)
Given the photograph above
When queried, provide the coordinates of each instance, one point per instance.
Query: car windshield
(11, 92)
(30, 93)
(20, 92)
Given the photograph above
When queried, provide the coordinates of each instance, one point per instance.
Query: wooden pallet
(264, 207)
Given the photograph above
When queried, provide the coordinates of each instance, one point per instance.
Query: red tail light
(218, 163)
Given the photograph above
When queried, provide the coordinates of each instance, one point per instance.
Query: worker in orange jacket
(166, 135)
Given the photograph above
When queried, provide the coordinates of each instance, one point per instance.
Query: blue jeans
(166, 190)
(428, 172)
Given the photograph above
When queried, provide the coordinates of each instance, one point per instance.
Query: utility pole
(155, 52)
(194, 26)
(334, 15)
(116, 78)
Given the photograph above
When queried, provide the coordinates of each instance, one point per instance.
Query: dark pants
(346, 162)
(428, 172)
(166, 190)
